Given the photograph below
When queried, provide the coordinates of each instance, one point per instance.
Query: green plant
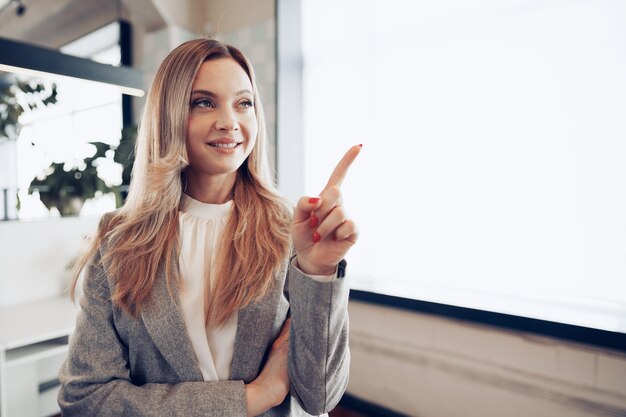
(18, 96)
(67, 187)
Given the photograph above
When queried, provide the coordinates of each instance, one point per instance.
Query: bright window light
(493, 171)
(85, 112)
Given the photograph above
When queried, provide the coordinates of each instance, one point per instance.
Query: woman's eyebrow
(212, 94)
(204, 92)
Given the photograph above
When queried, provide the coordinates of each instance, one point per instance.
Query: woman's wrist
(314, 270)
(256, 399)
(260, 397)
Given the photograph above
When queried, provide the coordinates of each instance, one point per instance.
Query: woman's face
(222, 125)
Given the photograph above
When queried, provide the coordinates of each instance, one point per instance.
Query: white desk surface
(36, 321)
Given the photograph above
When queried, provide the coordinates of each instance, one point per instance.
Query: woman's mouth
(225, 145)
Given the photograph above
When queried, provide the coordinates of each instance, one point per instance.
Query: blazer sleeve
(319, 357)
(95, 378)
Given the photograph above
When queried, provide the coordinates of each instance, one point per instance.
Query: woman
(192, 305)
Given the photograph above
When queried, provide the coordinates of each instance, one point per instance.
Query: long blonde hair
(141, 238)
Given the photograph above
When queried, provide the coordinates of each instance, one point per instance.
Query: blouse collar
(204, 210)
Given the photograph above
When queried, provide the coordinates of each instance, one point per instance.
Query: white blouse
(201, 228)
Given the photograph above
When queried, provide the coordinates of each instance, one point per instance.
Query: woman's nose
(226, 120)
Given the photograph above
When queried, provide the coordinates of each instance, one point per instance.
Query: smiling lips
(224, 143)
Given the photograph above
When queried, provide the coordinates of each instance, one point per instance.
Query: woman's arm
(322, 234)
(96, 380)
(319, 357)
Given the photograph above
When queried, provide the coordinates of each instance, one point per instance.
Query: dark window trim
(568, 332)
(354, 403)
(126, 59)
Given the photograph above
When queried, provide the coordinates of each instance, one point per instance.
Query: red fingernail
(360, 145)
(313, 221)
(314, 200)
(316, 237)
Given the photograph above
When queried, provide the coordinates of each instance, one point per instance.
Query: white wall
(224, 16)
(190, 14)
(35, 256)
(429, 366)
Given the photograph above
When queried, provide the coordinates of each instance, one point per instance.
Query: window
(492, 174)
(85, 112)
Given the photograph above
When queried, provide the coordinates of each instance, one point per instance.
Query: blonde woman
(204, 295)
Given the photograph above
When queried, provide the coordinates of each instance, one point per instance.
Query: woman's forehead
(221, 76)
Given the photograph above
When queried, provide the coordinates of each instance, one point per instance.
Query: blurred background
(489, 278)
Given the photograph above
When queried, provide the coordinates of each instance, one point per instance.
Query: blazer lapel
(250, 345)
(257, 326)
(164, 322)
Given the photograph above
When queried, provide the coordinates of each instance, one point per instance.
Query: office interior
(410, 356)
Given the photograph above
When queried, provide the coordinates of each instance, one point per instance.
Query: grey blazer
(120, 366)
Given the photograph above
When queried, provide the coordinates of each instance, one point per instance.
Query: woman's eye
(246, 104)
(202, 103)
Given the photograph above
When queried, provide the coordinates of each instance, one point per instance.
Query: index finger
(340, 171)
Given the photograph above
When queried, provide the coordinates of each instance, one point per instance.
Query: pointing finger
(341, 169)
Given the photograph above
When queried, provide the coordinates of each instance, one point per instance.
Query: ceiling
(54, 23)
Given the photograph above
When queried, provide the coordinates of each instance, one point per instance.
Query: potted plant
(68, 187)
(19, 96)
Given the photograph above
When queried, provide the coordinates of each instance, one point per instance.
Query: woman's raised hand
(321, 231)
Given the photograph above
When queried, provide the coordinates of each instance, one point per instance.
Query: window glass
(85, 112)
(492, 174)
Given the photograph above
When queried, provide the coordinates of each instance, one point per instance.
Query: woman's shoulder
(110, 220)
(108, 217)
(108, 223)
